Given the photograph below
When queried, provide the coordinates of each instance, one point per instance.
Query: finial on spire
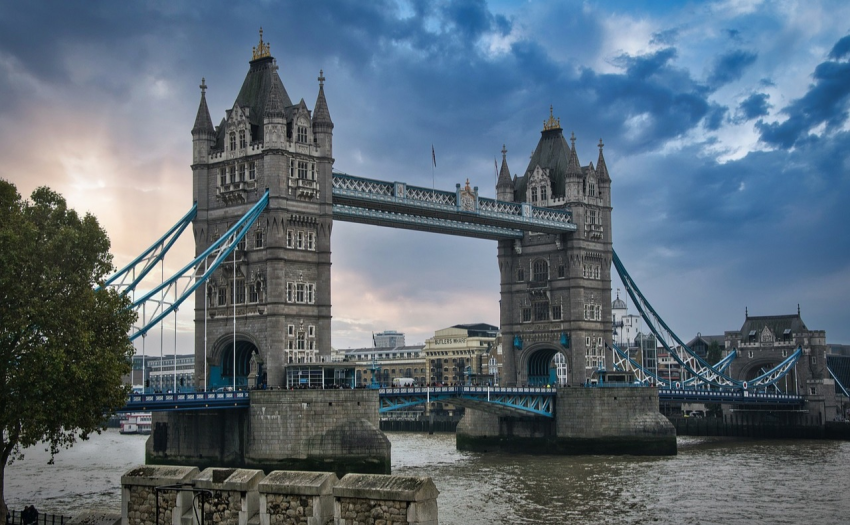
(504, 152)
(747, 312)
(203, 85)
(552, 123)
(573, 139)
(601, 145)
(321, 78)
(798, 309)
(262, 50)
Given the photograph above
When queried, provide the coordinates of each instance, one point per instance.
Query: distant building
(700, 344)
(159, 374)
(626, 326)
(388, 339)
(382, 364)
(460, 354)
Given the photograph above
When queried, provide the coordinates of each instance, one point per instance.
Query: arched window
(232, 141)
(541, 271)
(242, 142)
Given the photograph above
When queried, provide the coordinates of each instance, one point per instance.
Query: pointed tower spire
(321, 115)
(504, 186)
(203, 122)
(601, 168)
(274, 100)
(574, 167)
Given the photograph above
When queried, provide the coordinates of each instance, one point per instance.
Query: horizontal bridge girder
(505, 401)
(398, 205)
(429, 224)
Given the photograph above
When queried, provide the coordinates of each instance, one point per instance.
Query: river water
(710, 481)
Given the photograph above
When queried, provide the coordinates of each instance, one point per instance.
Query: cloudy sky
(725, 125)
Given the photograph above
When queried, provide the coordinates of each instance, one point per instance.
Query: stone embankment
(180, 495)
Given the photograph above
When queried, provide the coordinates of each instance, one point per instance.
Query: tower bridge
(265, 197)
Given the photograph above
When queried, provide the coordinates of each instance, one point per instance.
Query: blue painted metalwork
(536, 401)
(197, 271)
(186, 401)
(693, 364)
(153, 255)
(729, 396)
(414, 222)
(396, 204)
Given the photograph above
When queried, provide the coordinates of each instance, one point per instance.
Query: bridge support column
(315, 430)
(587, 421)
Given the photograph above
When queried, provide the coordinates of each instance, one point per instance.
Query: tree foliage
(63, 346)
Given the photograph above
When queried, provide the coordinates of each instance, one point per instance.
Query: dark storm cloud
(715, 117)
(650, 86)
(826, 102)
(730, 67)
(841, 49)
(665, 38)
(754, 106)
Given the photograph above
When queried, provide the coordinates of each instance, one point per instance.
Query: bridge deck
(462, 212)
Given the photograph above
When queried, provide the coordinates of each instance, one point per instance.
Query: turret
(505, 186)
(574, 178)
(604, 178)
(322, 124)
(203, 133)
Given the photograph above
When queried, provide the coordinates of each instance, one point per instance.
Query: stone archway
(757, 367)
(546, 365)
(229, 358)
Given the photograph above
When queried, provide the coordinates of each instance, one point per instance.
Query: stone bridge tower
(556, 289)
(276, 302)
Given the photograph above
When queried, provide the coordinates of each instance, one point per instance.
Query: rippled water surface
(709, 481)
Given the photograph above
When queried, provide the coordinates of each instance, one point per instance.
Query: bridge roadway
(462, 212)
(503, 401)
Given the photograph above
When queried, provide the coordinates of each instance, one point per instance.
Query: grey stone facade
(282, 295)
(556, 289)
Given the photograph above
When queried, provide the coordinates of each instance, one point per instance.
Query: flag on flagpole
(433, 156)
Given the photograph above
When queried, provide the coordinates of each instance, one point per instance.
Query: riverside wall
(587, 421)
(181, 495)
(311, 430)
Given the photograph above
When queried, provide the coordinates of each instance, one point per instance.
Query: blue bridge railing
(186, 401)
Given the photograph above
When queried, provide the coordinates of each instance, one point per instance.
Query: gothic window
(543, 195)
(241, 244)
(258, 239)
(292, 167)
(239, 291)
(252, 171)
(541, 311)
(241, 173)
(231, 174)
(312, 171)
(300, 240)
(302, 169)
(520, 274)
(232, 141)
(290, 330)
(534, 195)
(290, 291)
(302, 133)
(253, 295)
(526, 315)
(299, 292)
(556, 312)
(302, 341)
(311, 345)
(311, 331)
(311, 241)
(561, 271)
(242, 142)
(591, 189)
(289, 239)
(541, 271)
(222, 176)
(222, 296)
(311, 293)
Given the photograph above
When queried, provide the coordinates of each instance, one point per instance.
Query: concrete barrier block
(291, 494)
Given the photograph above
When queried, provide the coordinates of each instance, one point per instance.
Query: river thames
(710, 481)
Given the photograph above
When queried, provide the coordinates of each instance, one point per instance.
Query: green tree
(63, 346)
